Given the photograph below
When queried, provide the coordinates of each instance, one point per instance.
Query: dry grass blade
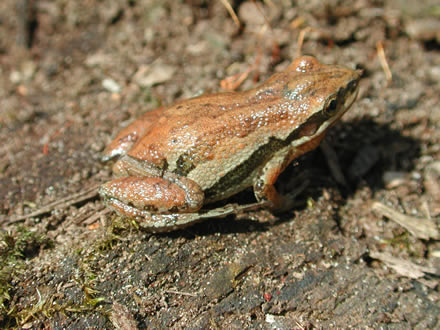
(231, 12)
(61, 203)
(383, 61)
(231, 83)
(91, 215)
(301, 37)
(189, 294)
(420, 227)
(261, 11)
(403, 267)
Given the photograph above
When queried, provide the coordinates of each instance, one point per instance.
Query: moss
(15, 247)
(112, 234)
(47, 302)
(24, 244)
(401, 241)
(47, 307)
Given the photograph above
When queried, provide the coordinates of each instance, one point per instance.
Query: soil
(73, 73)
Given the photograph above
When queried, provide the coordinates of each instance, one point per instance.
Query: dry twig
(420, 227)
(84, 195)
(232, 82)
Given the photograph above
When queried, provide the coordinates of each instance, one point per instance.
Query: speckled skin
(176, 159)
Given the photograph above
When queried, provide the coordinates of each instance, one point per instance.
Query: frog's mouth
(344, 108)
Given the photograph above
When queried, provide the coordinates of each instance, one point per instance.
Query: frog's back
(232, 135)
(209, 137)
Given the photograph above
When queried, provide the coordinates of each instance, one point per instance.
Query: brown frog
(176, 160)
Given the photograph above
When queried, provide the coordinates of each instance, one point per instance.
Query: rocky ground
(360, 249)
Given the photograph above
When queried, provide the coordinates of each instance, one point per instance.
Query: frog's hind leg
(152, 194)
(137, 196)
(126, 138)
(143, 189)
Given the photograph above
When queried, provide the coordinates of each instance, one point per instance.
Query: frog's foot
(153, 222)
(277, 202)
(169, 222)
(161, 205)
(289, 201)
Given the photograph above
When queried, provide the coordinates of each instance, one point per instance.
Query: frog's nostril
(352, 86)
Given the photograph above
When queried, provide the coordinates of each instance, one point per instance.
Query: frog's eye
(331, 108)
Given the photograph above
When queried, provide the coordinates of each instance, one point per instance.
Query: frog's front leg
(264, 188)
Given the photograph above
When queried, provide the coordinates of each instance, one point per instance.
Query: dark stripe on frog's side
(243, 170)
(259, 158)
(184, 165)
(190, 158)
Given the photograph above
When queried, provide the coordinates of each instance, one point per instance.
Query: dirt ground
(360, 249)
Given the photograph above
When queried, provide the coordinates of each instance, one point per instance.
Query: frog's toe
(289, 200)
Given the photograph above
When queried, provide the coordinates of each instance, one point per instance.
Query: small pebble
(393, 179)
(148, 76)
(111, 85)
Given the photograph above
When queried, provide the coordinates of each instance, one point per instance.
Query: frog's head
(320, 94)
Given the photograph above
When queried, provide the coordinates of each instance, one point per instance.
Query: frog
(175, 162)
